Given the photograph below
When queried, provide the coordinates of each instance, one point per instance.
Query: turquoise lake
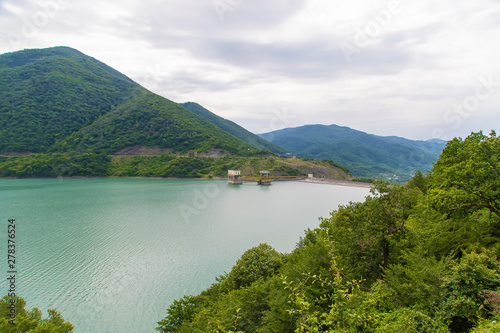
(112, 254)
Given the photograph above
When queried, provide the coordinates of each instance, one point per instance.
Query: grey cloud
(308, 59)
(491, 19)
(195, 27)
(201, 18)
(182, 81)
(314, 59)
(260, 14)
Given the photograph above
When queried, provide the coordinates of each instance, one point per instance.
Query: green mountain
(149, 120)
(58, 100)
(233, 128)
(47, 94)
(364, 154)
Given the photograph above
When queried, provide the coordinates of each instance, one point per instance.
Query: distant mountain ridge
(366, 155)
(233, 128)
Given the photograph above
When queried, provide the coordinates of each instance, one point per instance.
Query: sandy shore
(335, 182)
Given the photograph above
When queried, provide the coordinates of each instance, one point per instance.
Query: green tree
(465, 188)
(466, 178)
(180, 312)
(471, 291)
(369, 234)
(341, 313)
(416, 280)
(409, 320)
(30, 321)
(258, 262)
(420, 181)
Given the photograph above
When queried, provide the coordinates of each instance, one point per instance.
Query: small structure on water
(265, 178)
(233, 177)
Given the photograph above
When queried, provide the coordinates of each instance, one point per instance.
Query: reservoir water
(112, 254)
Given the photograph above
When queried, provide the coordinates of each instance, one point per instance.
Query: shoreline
(325, 181)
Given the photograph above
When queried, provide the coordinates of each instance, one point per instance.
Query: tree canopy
(30, 321)
(466, 178)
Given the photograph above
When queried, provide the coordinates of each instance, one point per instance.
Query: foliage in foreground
(419, 257)
(30, 321)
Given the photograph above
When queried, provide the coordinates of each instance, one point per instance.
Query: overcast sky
(417, 69)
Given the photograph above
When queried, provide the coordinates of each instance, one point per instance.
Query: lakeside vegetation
(419, 257)
(167, 165)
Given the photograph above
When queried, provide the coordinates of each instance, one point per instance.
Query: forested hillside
(256, 141)
(46, 95)
(364, 154)
(150, 120)
(59, 100)
(419, 257)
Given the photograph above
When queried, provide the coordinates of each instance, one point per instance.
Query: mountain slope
(150, 120)
(364, 154)
(48, 94)
(233, 128)
(59, 99)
